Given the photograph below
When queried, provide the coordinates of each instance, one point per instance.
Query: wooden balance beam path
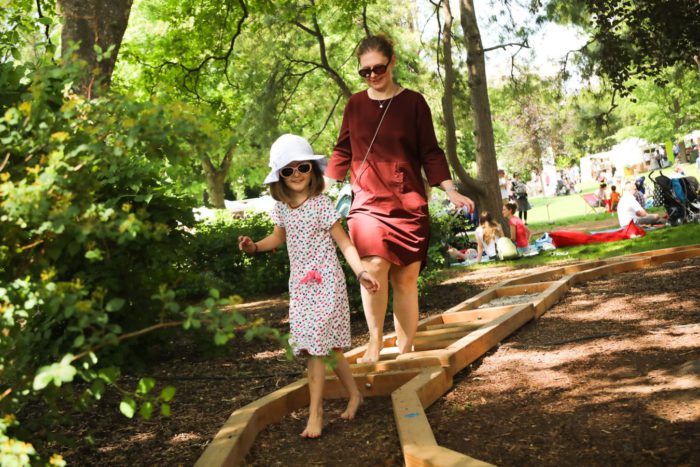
(445, 344)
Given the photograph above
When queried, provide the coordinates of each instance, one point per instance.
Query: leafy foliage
(95, 234)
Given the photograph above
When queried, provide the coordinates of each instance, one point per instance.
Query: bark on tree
(216, 178)
(90, 23)
(485, 188)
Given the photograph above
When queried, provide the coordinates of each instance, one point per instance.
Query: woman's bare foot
(354, 403)
(371, 354)
(313, 426)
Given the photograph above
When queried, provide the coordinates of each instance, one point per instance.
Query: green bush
(217, 261)
(95, 246)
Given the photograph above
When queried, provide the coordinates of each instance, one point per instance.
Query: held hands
(247, 244)
(368, 282)
(460, 201)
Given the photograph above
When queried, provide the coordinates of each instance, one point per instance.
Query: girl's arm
(350, 252)
(513, 232)
(272, 241)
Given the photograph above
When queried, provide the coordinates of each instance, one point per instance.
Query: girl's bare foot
(313, 426)
(354, 403)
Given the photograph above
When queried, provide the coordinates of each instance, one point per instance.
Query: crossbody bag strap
(369, 148)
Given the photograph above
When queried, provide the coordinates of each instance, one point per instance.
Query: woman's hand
(247, 244)
(459, 200)
(368, 282)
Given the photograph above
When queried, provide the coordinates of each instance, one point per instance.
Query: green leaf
(115, 304)
(167, 393)
(146, 410)
(109, 375)
(145, 385)
(165, 410)
(79, 341)
(128, 407)
(220, 338)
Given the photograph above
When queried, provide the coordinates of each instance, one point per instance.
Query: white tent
(628, 154)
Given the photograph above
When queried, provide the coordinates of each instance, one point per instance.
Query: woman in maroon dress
(389, 221)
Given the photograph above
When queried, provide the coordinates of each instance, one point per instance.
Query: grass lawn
(558, 211)
(666, 237)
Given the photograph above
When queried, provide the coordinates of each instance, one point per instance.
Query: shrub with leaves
(94, 246)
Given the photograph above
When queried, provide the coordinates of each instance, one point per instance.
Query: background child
(518, 232)
(319, 313)
(614, 198)
(486, 235)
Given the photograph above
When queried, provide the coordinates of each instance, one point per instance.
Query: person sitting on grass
(519, 233)
(486, 235)
(629, 210)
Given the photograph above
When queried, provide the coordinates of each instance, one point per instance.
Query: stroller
(679, 197)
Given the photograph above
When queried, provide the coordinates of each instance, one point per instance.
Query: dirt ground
(608, 376)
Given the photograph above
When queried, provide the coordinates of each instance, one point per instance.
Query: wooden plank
(443, 355)
(440, 334)
(429, 321)
(438, 456)
(394, 365)
(236, 436)
(474, 345)
(551, 296)
(522, 289)
(467, 326)
(475, 302)
(486, 314)
(546, 276)
(447, 329)
(434, 345)
(370, 385)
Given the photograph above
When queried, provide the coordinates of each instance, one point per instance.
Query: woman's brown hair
(280, 192)
(491, 229)
(376, 43)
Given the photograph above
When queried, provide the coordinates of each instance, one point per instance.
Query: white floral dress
(319, 313)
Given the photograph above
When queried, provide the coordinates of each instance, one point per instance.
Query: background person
(486, 235)
(389, 220)
(629, 210)
(519, 233)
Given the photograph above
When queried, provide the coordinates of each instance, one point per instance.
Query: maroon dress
(389, 214)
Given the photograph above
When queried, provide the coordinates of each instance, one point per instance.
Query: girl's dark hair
(280, 192)
(512, 207)
(491, 229)
(376, 43)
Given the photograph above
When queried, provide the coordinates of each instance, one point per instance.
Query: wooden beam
(434, 344)
(485, 314)
(438, 456)
(552, 295)
(522, 289)
(236, 436)
(474, 345)
(466, 326)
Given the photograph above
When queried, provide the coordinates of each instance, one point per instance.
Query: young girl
(518, 232)
(319, 313)
(486, 235)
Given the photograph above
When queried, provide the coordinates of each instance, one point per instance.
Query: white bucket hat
(291, 148)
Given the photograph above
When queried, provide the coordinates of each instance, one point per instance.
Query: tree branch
(510, 44)
(330, 114)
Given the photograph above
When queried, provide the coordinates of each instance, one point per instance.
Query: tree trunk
(216, 178)
(488, 193)
(89, 23)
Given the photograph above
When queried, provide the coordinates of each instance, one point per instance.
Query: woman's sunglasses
(377, 70)
(301, 168)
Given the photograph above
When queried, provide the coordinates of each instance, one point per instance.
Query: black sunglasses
(376, 69)
(301, 168)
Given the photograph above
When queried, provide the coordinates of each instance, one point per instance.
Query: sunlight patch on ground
(184, 438)
(268, 354)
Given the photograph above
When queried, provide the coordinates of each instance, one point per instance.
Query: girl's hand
(247, 244)
(368, 282)
(460, 201)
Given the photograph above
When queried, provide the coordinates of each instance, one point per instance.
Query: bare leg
(375, 306)
(342, 370)
(404, 282)
(317, 376)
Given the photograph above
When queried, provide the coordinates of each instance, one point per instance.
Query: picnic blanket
(562, 238)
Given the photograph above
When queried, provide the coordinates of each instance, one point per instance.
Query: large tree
(97, 28)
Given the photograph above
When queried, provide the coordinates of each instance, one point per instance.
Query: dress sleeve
(327, 213)
(342, 152)
(276, 215)
(431, 156)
